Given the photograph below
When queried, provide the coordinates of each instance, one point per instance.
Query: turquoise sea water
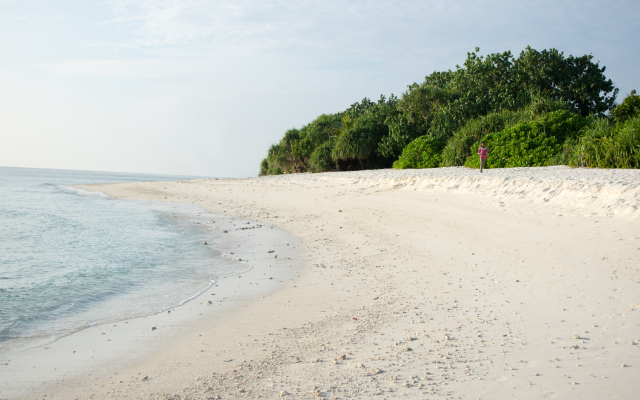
(71, 259)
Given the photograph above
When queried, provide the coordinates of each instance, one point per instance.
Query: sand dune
(519, 283)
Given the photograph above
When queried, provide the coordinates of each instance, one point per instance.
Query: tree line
(539, 108)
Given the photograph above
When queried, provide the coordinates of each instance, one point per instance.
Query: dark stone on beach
(271, 251)
(225, 231)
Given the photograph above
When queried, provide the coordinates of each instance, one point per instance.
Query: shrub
(423, 152)
(358, 140)
(401, 132)
(264, 167)
(321, 160)
(630, 108)
(608, 145)
(446, 101)
(530, 144)
(459, 147)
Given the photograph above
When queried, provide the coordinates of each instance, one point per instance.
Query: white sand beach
(446, 283)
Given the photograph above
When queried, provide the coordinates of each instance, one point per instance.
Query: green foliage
(501, 81)
(518, 146)
(264, 167)
(315, 134)
(401, 132)
(276, 157)
(608, 145)
(412, 118)
(630, 108)
(460, 146)
(529, 144)
(359, 139)
(423, 152)
(576, 80)
(452, 110)
(321, 159)
(541, 105)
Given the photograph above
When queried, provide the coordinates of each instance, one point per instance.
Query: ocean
(70, 259)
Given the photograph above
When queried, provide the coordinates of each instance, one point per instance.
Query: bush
(459, 147)
(401, 132)
(518, 146)
(630, 108)
(264, 167)
(358, 140)
(607, 145)
(530, 144)
(523, 86)
(321, 160)
(423, 152)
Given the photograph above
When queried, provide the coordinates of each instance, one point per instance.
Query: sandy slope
(445, 283)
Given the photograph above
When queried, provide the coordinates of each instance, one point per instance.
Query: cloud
(356, 26)
(329, 32)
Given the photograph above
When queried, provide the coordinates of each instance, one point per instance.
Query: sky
(198, 87)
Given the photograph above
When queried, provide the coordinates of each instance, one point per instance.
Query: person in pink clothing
(483, 151)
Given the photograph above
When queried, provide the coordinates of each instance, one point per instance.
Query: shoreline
(109, 345)
(441, 283)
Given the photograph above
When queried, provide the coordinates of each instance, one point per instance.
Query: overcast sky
(204, 87)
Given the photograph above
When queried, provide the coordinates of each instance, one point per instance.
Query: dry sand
(520, 283)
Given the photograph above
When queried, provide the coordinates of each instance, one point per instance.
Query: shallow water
(71, 259)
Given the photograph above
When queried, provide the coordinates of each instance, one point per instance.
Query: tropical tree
(451, 110)
(630, 108)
